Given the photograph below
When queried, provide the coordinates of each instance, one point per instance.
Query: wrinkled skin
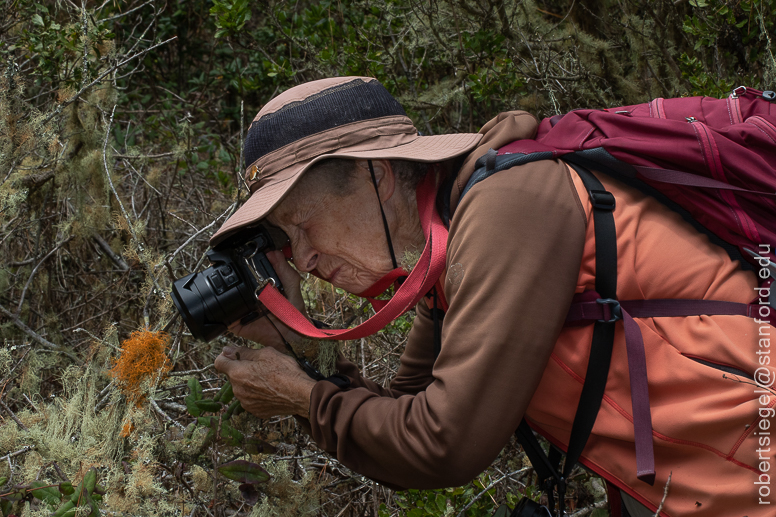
(266, 382)
(343, 240)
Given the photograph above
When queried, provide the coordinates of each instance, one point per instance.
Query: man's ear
(384, 176)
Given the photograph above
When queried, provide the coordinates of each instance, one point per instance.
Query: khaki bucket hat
(342, 117)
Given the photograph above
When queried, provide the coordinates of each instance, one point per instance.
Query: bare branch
(100, 77)
(111, 254)
(15, 418)
(34, 335)
(35, 270)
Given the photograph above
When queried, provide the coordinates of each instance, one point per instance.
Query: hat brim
(427, 149)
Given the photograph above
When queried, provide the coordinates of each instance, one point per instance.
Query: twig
(143, 156)
(103, 396)
(100, 77)
(59, 471)
(240, 164)
(8, 375)
(85, 22)
(110, 180)
(34, 335)
(29, 401)
(20, 451)
(172, 405)
(499, 480)
(111, 254)
(190, 372)
(34, 271)
(198, 233)
(15, 419)
(590, 509)
(665, 494)
(127, 12)
(165, 415)
(102, 341)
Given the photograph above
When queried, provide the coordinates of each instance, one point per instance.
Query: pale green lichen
(285, 497)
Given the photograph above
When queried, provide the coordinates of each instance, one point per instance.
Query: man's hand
(261, 330)
(266, 382)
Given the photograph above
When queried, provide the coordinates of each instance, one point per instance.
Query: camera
(227, 291)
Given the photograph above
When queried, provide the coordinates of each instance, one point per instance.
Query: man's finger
(248, 354)
(223, 364)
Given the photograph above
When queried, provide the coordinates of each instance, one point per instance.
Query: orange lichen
(127, 429)
(143, 357)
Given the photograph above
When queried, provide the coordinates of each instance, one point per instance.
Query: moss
(285, 496)
(409, 259)
(10, 437)
(30, 376)
(327, 357)
(202, 480)
(5, 354)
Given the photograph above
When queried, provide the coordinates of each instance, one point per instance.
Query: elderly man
(337, 165)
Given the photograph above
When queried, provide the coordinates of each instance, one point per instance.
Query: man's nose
(305, 258)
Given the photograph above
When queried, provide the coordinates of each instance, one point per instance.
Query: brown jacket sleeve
(513, 258)
(417, 361)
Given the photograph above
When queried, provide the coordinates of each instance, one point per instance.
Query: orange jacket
(711, 428)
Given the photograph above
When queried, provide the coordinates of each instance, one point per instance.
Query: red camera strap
(422, 278)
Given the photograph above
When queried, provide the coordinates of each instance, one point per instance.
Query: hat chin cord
(382, 213)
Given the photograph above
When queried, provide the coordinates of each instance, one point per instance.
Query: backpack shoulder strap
(601, 348)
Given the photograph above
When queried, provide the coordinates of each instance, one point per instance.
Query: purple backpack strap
(589, 307)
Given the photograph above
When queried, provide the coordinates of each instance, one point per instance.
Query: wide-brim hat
(342, 117)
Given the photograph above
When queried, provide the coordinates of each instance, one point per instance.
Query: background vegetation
(120, 142)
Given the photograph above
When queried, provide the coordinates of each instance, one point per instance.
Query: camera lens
(212, 300)
(191, 304)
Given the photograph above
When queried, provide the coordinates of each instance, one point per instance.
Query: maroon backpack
(714, 162)
(713, 158)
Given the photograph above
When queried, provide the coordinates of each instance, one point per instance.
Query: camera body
(225, 292)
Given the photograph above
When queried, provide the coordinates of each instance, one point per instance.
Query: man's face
(341, 237)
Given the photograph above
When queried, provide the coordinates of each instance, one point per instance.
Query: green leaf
(45, 492)
(66, 488)
(233, 409)
(3, 480)
(195, 394)
(208, 405)
(15, 496)
(244, 472)
(195, 388)
(230, 435)
(226, 393)
(191, 406)
(37, 20)
(257, 446)
(90, 479)
(441, 502)
(207, 421)
(67, 509)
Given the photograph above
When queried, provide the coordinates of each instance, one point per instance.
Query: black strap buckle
(602, 199)
(615, 311)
